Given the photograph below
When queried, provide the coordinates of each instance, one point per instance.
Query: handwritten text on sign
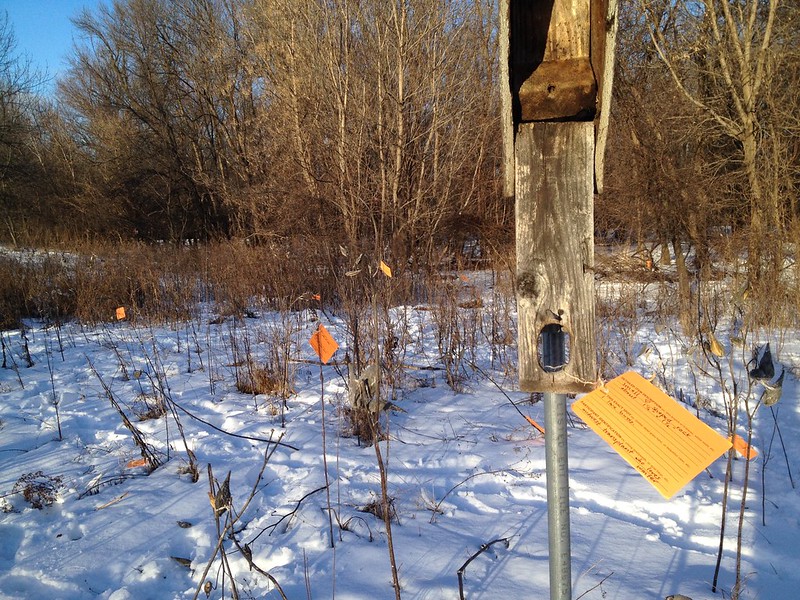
(657, 436)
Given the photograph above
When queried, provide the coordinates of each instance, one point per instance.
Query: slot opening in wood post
(553, 346)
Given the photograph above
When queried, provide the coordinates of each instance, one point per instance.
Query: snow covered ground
(464, 469)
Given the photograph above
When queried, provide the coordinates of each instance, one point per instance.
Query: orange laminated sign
(387, 270)
(120, 313)
(656, 435)
(323, 343)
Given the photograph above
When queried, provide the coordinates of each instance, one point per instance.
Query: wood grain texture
(603, 50)
(565, 89)
(555, 250)
(506, 100)
(552, 77)
(569, 30)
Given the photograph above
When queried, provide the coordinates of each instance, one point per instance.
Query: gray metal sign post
(557, 465)
(557, 57)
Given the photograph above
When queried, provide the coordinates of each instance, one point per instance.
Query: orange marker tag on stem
(742, 447)
(387, 270)
(120, 313)
(323, 343)
(535, 424)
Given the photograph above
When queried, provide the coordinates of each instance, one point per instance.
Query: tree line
(705, 139)
(353, 120)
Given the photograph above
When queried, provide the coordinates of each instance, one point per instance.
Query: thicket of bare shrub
(317, 125)
(39, 287)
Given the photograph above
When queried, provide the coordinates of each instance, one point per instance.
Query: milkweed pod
(715, 347)
(774, 391)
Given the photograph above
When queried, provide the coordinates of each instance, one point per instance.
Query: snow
(465, 469)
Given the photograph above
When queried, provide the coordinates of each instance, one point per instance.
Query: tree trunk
(684, 290)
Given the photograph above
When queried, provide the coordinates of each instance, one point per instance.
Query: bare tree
(384, 121)
(18, 83)
(369, 123)
(718, 53)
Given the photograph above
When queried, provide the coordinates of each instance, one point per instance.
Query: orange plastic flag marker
(386, 269)
(120, 313)
(464, 278)
(323, 343)
(535, 424)
(316, 297)
(136, 462)
(743, 448)
(656, 435)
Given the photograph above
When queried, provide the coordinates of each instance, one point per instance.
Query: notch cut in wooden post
(555, 72)
(551, 69)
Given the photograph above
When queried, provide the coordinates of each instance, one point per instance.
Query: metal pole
(555, 415)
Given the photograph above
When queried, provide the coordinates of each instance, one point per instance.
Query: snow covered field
(464, 469)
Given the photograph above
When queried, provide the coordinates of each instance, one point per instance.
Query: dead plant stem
(783, 446)
(382, 466)
(325, 454)
(462, 568)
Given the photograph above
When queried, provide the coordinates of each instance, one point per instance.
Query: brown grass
(256, 380)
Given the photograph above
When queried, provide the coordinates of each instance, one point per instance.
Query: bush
(37, 286)
(38, 489)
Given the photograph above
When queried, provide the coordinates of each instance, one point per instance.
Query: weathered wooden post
(559, 71)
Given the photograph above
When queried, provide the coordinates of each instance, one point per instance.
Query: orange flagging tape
(535, 424)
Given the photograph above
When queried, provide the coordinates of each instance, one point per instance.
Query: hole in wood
(553, 348)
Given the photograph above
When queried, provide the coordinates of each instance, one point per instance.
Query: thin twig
(436, 510)
(288, 515)
(502, 391)
(119, 498)
(594, 587)
(230, 433)
(483, 548)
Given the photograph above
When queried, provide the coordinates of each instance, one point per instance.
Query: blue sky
(43, 30)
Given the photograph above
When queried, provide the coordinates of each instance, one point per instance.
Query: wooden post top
(560, 64)
(555, 112)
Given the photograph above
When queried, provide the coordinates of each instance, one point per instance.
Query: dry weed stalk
(149, 454)
(8, 353)
(55, 398)
(325, 455)
(737, 392)
(226, 518)
(457, 326)
(157, 375)
(386, 501)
